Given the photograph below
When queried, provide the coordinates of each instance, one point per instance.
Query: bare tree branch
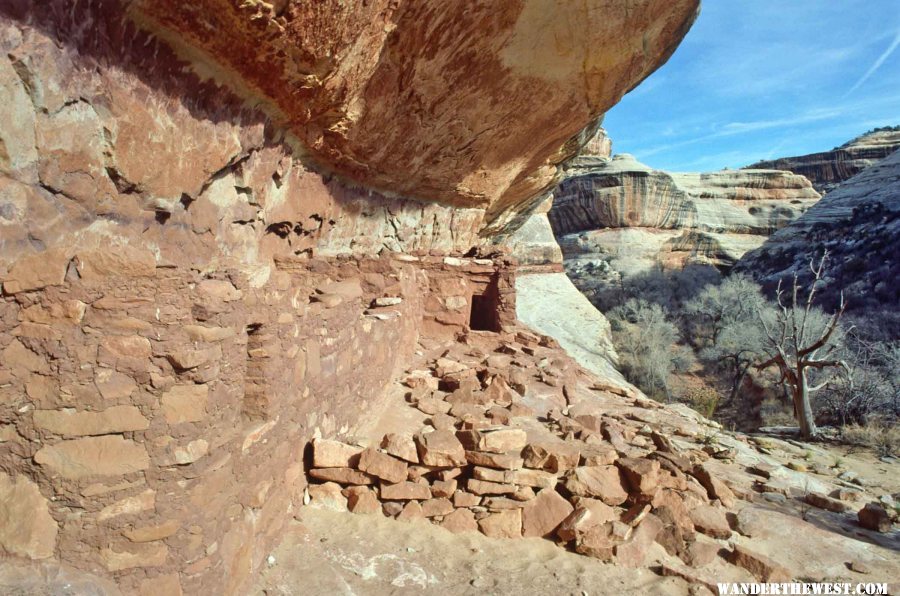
(793, 351)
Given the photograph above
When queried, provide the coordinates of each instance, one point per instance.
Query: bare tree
(801, 340)
(645, 339)
(722, 321)
(866, 391)
(736, 349)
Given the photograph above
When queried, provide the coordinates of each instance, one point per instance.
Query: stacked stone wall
(153, 426)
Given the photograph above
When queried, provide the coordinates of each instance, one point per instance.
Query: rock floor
(327, 552)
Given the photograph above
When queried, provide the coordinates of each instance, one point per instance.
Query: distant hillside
(859, 224)
(828, 169)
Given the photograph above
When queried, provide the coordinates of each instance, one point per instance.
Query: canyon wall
(858, 224)
(223, 225)
(615, 218)
(104, 154)
(828, 169)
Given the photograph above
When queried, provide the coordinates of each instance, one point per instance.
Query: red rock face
(119, 151)
(116, 156)
(465, 103)
(169, 335)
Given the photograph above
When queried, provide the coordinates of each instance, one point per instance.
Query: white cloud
(739, 128)
(877, 64)
(732, 129)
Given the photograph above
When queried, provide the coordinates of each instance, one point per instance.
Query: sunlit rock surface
(827, 169)
(465, 103)
(616, 218)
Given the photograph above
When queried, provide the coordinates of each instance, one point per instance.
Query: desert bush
(722, 322)
(683, 358)
(882, 438)
(735, 301)
(665, 322)
(645, 340)
(669, 289)
(869, 389)
(703, 399)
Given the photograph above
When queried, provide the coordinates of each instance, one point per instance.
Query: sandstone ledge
(467, 89)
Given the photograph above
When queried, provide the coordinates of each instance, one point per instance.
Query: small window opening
(484, 314)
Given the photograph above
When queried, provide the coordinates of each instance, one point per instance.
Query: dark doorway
(484, 314)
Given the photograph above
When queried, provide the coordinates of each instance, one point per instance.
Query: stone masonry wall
(461, 289)
(152, 425)
(161, 363)
(151, 428)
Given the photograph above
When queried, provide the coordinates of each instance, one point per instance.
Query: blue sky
(758, 79)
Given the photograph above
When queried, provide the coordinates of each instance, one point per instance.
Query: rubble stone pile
(605, 485)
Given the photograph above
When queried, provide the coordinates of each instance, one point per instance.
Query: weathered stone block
(502, 524)
(464, 499)
(382, 465)
(711, 521)
(94, 456)
(114, 385)
(34, 272)
(328, 496)
(208, 334)
(633, 552)
(602, 482)
(152, 533)
(363, 501)
(188, 359)
(185, 403)
(501, 461)
(543, 514)
(150, 555)
(762, 567)
(401, 446)
(69, 423)
(460, 521)
(129, 346)
(191, 452)
(120, 260)
(341, 476)
(411, 511)
(144, 501)
(26, 527)
(440, 448)
(641, 475)
(405, 491)
(436, 507)
(483, 487)
(334, 454)
(503, 441)
(443, 488)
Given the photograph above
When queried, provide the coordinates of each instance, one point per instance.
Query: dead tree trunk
(796, 349)
(803, 408)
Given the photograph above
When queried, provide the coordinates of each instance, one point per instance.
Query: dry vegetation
(882, 438)
(699, 339)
